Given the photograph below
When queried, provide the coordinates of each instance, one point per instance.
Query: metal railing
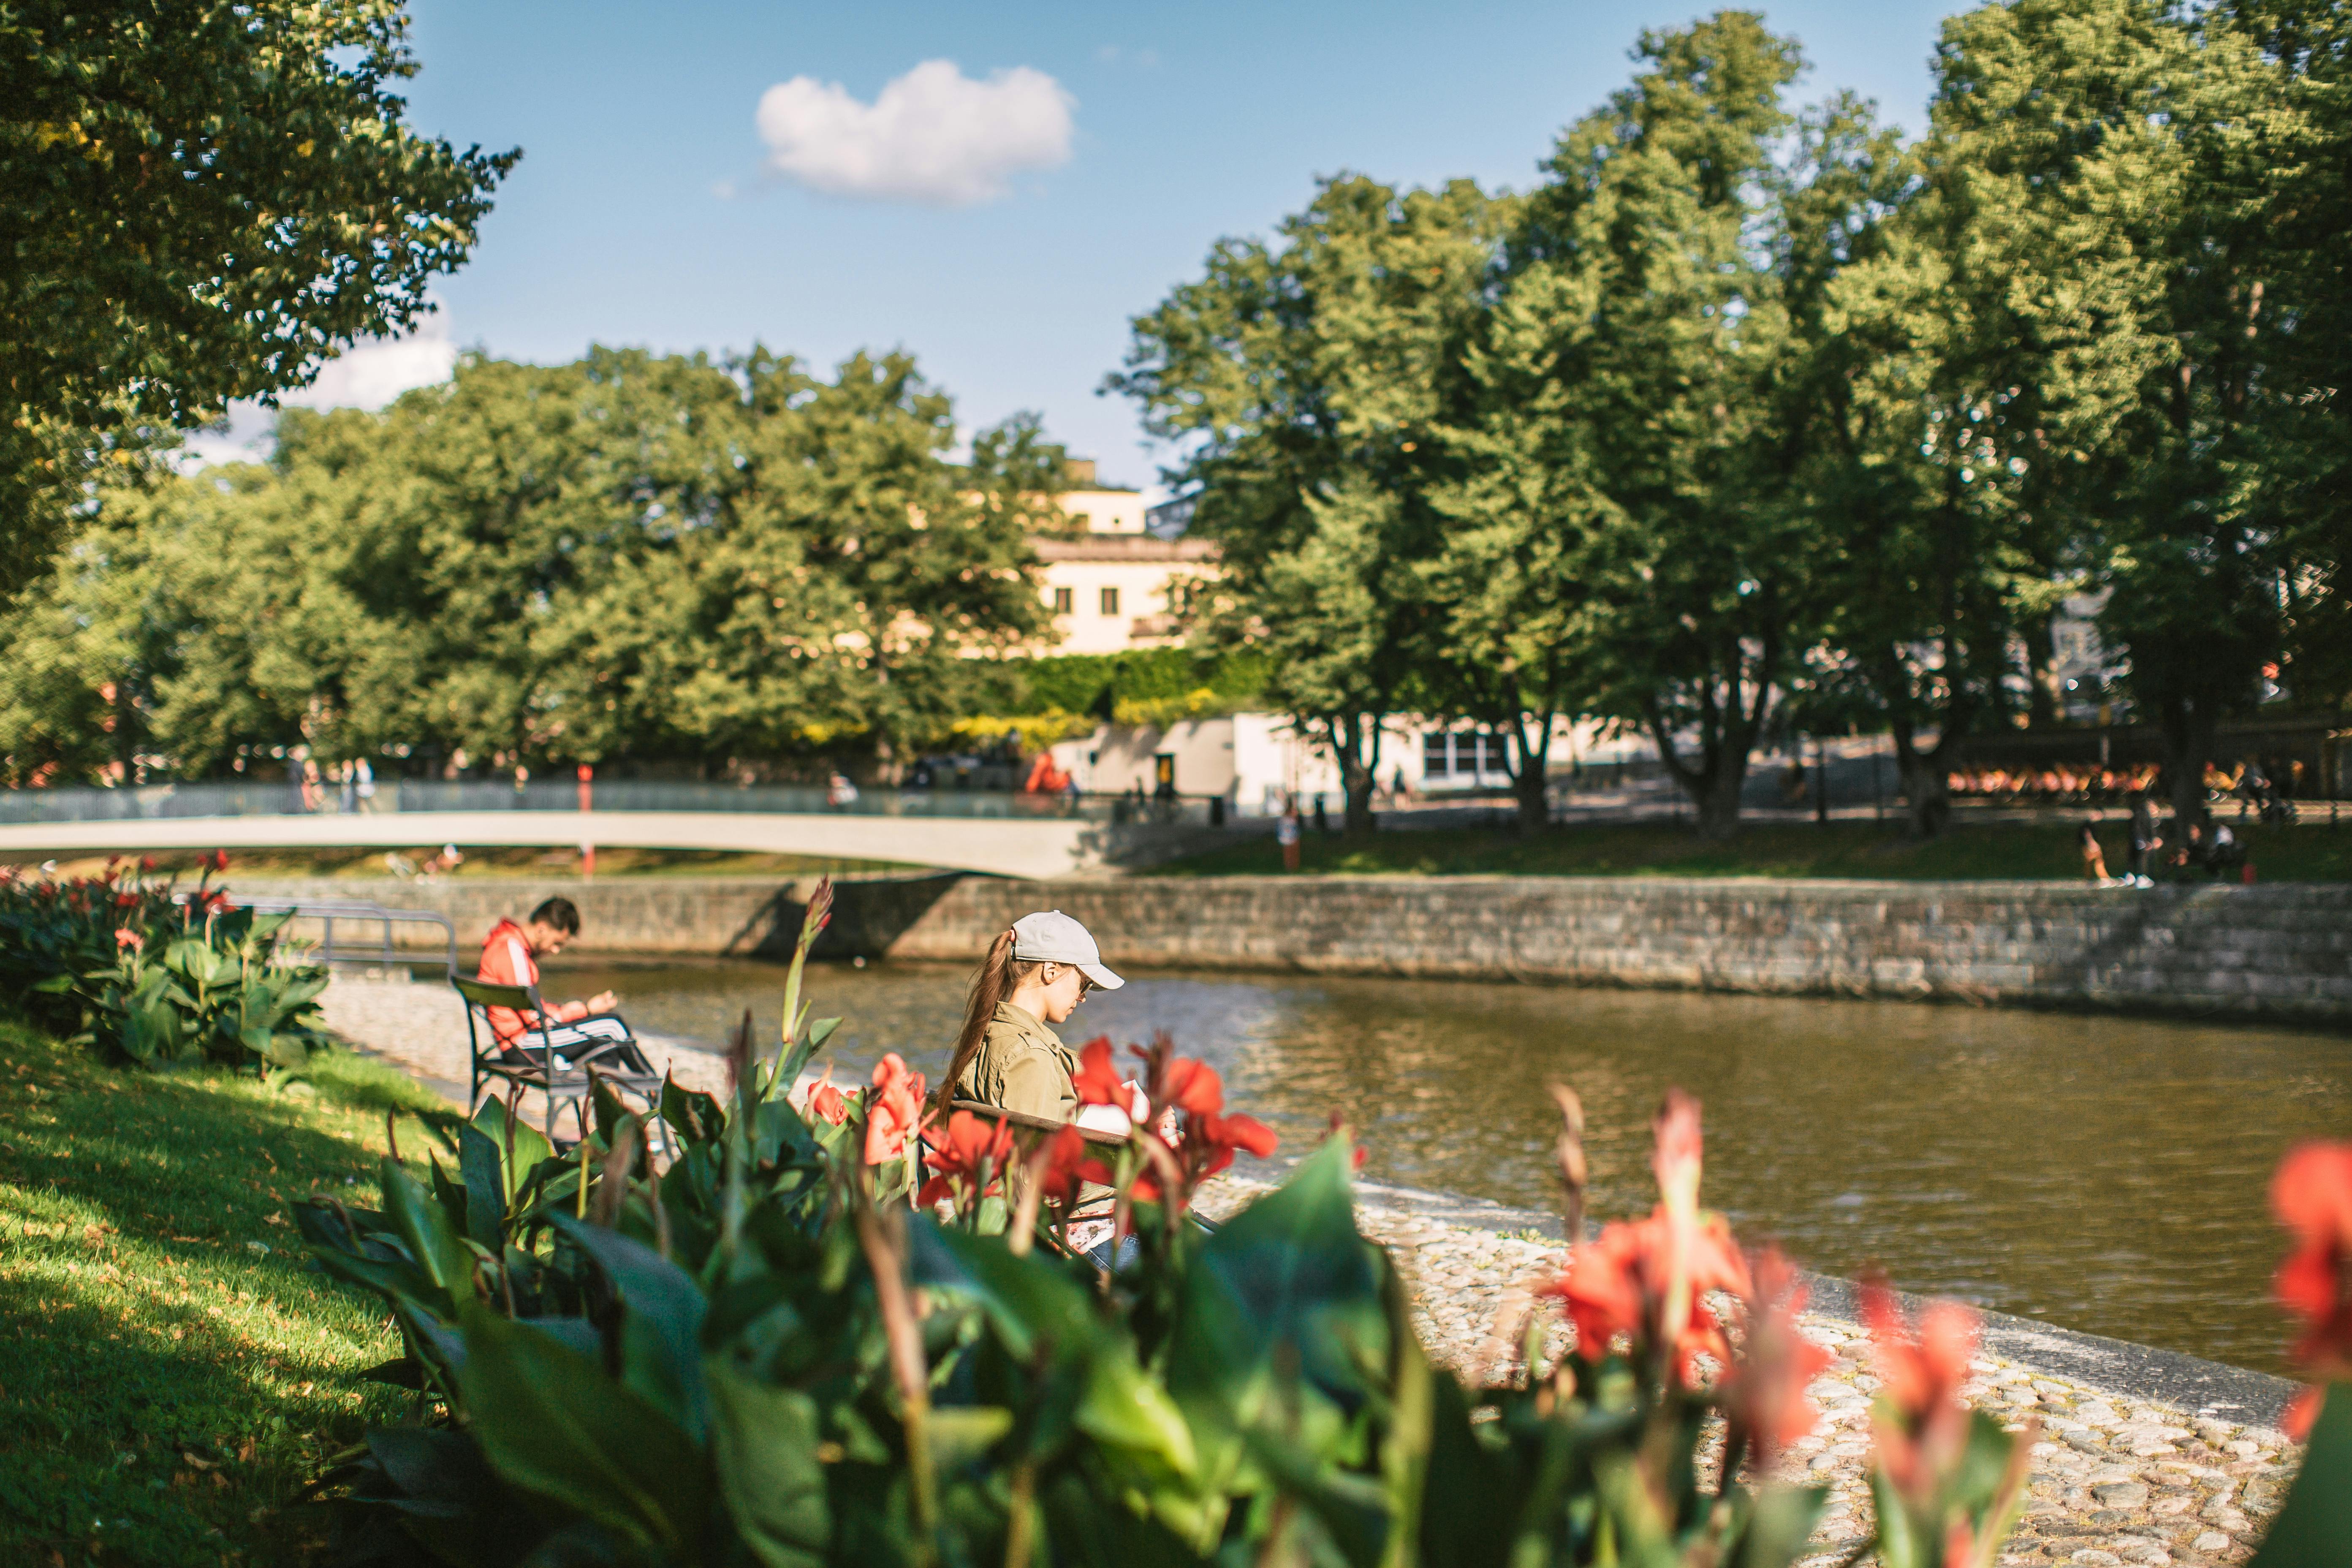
(328, 911)
(406, 797)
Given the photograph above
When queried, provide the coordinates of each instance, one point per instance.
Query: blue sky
(649, 210)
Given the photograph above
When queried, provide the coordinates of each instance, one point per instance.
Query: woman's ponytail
(991, 984)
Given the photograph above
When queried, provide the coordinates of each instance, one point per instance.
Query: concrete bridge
(1028, 847)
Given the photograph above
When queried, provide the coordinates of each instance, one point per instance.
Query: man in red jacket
(510, 955)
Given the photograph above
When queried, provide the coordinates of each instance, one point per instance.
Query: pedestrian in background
(2095, 858)
(2146, 840)
(1285, 833)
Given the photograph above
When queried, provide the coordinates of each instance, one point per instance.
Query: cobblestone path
(2115, 1480)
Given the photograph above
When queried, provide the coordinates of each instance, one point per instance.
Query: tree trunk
(1927, 790)
(1356, 745)
(2041, 695)
(1713, 783)
(1925, 777)
(2188, 726)
(1531, 773)
(1718, 803)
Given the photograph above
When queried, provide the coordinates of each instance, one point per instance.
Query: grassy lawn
(171, 1374)
(487, 861)
(1866, 850)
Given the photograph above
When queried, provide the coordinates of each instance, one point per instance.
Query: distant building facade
(1119, 585)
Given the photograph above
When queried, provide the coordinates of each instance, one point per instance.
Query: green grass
(481, 863)
(171, 1372)
(1860, 849)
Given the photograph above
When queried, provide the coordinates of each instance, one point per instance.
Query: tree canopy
(199, 201)
(1750, 416)
(673, 557)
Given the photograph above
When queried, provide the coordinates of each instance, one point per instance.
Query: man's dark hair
(557, 913)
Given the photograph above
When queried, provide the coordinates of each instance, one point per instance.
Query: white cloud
(368, 374)
(934, 135)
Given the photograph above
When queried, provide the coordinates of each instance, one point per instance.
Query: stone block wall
(2281, 951)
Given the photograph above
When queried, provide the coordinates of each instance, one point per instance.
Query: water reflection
(2106, 1174)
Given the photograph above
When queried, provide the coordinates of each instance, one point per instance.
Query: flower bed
(146, 974)
(804, 1339)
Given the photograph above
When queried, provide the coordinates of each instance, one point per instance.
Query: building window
(1468, 757)
(1060, 601)
(1111, 601)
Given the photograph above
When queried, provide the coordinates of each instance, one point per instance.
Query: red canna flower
(1194, 1088)
(967, 1155)
(219, 858)
(1066, 1167)
(1649, 1279)
(1096, 1080)
(827, 1102)
(126, 900)
(1766, 1388)
(1625, 1284)
(1676, 1152)
(2312, 1196)
(894, 1109)
(1920, 1423)
(1601, 1289)
(146, 863)
(125, 937)
(1218, 1136)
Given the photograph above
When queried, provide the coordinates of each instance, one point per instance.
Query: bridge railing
(404, 796)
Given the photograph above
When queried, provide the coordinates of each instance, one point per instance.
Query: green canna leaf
(2313, 1529)
(763, 1445)
(551, 1423)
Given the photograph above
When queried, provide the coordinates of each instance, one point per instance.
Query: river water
(2106, 1173)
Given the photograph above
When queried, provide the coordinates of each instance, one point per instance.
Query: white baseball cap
(1049, 936)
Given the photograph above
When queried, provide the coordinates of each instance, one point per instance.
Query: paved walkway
(999, 847)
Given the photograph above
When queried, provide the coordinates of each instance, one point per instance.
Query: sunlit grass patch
(171, 1372)
(1968, 851)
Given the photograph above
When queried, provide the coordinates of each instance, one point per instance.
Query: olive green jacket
(1023, 1066)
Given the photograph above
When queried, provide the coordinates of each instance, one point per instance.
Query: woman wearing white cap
(1034, 976)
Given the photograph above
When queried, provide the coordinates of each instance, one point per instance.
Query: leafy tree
(2292, 141)
(2120, 195)
(1656, 222)
(1521, 504)
(1308, 380)
(1939, 431)
(198, 200)
(633, 555)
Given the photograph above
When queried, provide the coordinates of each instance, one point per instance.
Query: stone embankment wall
(2282, 951)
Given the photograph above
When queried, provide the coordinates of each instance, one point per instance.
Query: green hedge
(1095, 682)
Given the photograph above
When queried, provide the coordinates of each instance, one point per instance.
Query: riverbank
(2150, 1456)
(2146, 1458)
